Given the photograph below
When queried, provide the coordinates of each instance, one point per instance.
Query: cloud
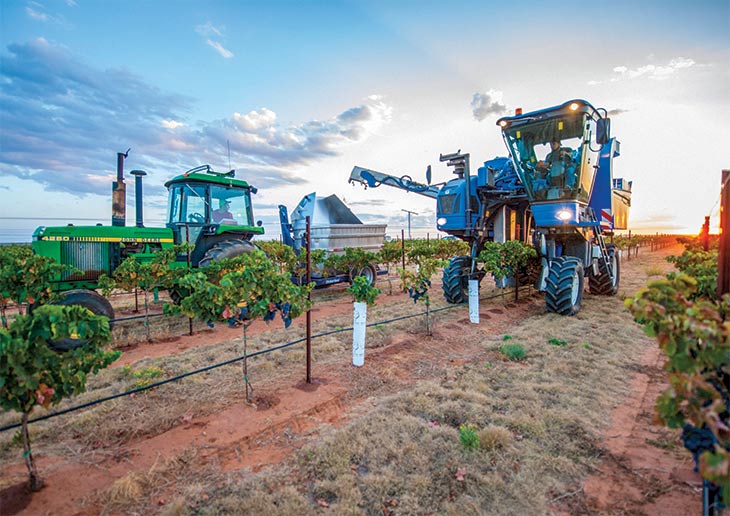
(617, 111)
(257, 138)
(224, 52)
(488, 103)
(171, 124)
(651, 71)
(373, 202)
(208, 29)
(39, 13)
(211, 34)
(36, 15)
(63, 122)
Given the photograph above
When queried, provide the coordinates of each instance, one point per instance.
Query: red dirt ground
(635, 477)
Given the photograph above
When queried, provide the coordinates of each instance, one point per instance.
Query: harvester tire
(96, 303)
(368, 272)
(603, 284)
(564, 286)
(455, 281)
(226, 249)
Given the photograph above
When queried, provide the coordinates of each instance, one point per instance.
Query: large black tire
(219, 251)
(455, 281)
(604, 284)
(565, 283)
(226, 249)
(368, 272)
(96, 303)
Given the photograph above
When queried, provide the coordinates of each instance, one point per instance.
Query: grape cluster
(416, 292)
(698, 441)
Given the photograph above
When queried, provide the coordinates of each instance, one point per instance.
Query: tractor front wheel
(226, 249)
(455, 281)
(564, 286)
(95, 303)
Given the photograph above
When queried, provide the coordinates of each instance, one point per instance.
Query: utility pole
(723, 259)
(409, 221)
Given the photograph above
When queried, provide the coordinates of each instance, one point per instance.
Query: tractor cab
(205, 207)
(556, 150)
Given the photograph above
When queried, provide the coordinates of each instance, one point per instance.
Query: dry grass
(539, 423)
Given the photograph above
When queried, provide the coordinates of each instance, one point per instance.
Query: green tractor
(211, 210)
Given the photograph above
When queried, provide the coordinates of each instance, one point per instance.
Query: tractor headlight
(574, 106)
(564, 215)
(441, 221)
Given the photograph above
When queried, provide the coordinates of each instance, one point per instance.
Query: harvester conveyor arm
(373, 179)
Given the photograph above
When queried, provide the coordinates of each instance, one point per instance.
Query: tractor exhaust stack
(138, 196)
(119, 193)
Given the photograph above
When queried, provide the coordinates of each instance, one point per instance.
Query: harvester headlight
(564, 215)
(441, 221)
(503, 123)
(574, 106)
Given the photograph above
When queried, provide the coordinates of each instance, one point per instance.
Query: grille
(448, 203)
(91, 258)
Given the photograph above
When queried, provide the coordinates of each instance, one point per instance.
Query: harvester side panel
(610, 200)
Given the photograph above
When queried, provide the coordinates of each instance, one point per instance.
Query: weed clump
(513, 351)
(469, 437)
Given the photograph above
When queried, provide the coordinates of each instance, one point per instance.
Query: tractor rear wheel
(604, 284)
(96, 303)
(455, 281)
(564, 286)
(226, 249)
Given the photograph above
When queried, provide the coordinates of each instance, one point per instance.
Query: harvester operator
(559, 164)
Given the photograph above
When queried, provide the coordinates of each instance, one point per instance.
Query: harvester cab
(563, 156)
(555, 151)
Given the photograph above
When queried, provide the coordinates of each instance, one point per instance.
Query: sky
(304, 91)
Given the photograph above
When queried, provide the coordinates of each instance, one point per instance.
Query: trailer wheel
(368, 272)
(604, 284)
(226, 249)
(564, 286)
(455, 281)
(95, 303)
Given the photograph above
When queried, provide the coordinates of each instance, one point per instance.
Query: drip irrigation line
(134, 317)
(228, 362)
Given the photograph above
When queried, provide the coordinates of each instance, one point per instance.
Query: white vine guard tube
(474, 301)
(359, 324)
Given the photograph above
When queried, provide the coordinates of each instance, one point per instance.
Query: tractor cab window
(549, 155)
(188, 204)
(231, 206)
